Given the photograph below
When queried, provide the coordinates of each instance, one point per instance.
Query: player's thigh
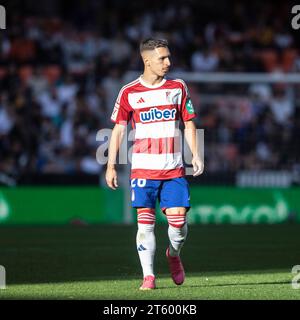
(174, 196)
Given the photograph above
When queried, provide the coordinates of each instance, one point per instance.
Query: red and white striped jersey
(155, 112)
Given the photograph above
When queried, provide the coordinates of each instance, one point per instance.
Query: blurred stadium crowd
(60, 76)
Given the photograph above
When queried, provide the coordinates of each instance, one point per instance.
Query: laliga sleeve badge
(189, 106)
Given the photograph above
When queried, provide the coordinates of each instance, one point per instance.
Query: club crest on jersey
(155, 114)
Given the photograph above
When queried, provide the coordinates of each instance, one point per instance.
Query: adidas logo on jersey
(155, 114)
(141, 100)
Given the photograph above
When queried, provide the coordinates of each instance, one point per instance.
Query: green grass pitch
(101, 262)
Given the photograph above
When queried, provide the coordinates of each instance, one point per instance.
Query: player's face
(160, 61)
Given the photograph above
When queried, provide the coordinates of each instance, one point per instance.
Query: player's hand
(111, 178)
(198, 166)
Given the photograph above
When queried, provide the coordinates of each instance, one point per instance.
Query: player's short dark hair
(151, 44)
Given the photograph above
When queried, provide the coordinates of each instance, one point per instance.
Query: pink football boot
(176, 268)
(148, 283)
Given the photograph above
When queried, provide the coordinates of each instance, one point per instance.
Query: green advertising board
(244, 205)
(91, 205)
(60, 205)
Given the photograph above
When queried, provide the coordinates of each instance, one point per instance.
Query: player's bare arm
(191, 138)
(114, 146)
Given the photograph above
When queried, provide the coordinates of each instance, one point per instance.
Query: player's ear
(146, 59)
(147, 62)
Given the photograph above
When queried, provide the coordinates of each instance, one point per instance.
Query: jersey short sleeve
(122, 111)
(187, 109)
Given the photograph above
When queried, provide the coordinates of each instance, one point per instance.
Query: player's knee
(176, 211)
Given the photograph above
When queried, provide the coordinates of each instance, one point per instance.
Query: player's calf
(146, 245)
(177, 234)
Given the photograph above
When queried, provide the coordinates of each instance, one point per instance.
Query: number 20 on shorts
(138, 182)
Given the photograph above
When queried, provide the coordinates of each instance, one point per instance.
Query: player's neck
(151, 79)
